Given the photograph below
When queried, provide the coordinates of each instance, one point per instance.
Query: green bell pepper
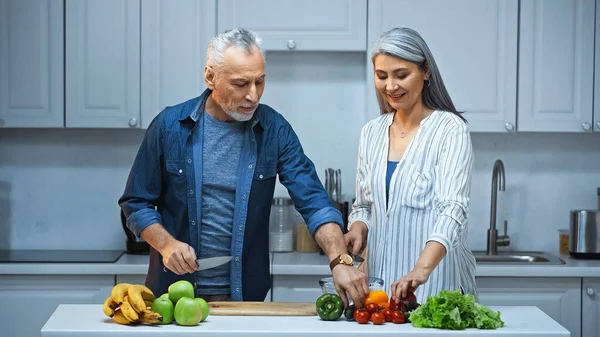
(330, 307)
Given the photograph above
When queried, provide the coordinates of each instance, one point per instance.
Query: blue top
(162, 188)
(391, 166)
(220, 155)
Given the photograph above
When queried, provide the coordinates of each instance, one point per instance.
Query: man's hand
(350, 280)
(179, 257)
(356, 237)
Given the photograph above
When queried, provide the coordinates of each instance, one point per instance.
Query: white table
(87, 320)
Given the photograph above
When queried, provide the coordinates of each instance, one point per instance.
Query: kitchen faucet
(493, 240)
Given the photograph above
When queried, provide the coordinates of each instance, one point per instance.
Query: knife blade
(212, 262)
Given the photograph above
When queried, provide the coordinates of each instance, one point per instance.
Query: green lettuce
(455, 311)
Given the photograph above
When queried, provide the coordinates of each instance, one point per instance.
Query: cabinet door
(590, 307)
(597, 72)
(559, 298)
(299, 25)
(31, 63)
(173, 46)
(26, 302)
(556, 62)
(296, 288)
(474, 44)
(102, 63)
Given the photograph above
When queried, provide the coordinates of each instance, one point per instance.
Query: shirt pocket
(417, 188)
(365, 181)
(176, 177)
(265, 172)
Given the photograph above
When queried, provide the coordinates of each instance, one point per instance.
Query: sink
(517, 257)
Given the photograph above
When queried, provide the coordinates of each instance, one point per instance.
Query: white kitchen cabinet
(590, 307)
(174, 42)
(309, 25)
(102, 63)
(474, 44)
(296, 288)
(597, 72)
(559, 298)
(27, 301)
(31, 63)
(556, 62)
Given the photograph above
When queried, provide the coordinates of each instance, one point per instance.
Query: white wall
(59, 188)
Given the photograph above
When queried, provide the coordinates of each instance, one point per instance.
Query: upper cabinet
(174, 42)
(556, 62)
(334, 25)
(474, 44)
(102, 63)
(597, 72)
(31, 63)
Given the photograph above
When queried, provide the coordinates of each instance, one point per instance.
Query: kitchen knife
(212, 262)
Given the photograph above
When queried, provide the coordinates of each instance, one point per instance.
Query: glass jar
(281, 225)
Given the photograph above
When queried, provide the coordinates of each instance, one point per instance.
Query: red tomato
(393, 305)
(387, 314)
(361, 316)
(377, 318)
(372, 308)
(398, 317)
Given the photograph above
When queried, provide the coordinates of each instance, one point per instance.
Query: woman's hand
(356, 237)
(409, 282)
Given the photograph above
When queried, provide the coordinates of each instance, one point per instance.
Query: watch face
(346, 259)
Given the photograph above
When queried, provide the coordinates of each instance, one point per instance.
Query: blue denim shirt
(163, 184)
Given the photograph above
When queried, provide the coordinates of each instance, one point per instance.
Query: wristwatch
(343, 259)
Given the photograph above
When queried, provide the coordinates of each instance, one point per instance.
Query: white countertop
(87, 320)
(295, 264)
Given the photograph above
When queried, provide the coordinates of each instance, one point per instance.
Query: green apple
(164, 307)
(204, 306)
(188, 311)
(180, 289)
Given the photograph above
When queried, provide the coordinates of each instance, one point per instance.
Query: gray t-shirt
(220, 153)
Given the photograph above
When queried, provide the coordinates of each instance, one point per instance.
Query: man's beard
(238, 116)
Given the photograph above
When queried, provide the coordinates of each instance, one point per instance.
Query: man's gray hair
(407, 44)
(238, 37)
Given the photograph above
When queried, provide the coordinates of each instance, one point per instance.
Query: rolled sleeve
(323, 216)
(452, 188)
(142, 219)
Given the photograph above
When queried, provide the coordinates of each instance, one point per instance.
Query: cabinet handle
(509, 126)
(598, 126)
(590, 291)
(291, 44)
(132, 122)
(586, 126)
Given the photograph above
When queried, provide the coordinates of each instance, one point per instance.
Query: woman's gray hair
(238, 37)
(406, 44)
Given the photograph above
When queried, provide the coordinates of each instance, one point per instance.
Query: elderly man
(202, 183)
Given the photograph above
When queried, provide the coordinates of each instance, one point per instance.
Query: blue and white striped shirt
(428, 201)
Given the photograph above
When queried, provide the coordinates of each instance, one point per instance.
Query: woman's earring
(428, 84)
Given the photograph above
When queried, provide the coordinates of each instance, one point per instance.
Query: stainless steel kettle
(584, 234)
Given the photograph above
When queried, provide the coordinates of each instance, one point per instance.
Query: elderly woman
(413, 179)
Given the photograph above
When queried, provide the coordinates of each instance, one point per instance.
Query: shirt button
(189, 160)
(191, 191)
(193, 223)
(241, 228)
(244, 197)
(180, 171)
(237, 258)
(250, 166)
(260, 176)
(237, 290)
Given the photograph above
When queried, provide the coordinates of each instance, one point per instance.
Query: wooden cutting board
(262, 308)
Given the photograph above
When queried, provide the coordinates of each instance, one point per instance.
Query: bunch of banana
(130, 304)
